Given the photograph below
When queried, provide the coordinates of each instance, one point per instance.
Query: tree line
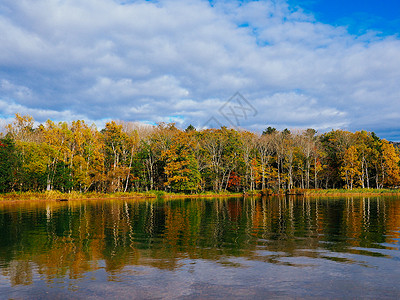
(127, 157)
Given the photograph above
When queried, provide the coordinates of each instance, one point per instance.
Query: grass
(56, 195)
(356, 191)
(74, 195)
(201, 195)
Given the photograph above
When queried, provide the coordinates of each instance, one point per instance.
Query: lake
(289, 247)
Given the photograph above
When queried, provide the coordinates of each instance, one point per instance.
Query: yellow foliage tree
(351, 168)
(390, 165)
(181, 166)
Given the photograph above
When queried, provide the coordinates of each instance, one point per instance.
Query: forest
(132, 157)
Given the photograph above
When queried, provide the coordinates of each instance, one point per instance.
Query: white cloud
(164, 87)
(181, 60)
(14, 91)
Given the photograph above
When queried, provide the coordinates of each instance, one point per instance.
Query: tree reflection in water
(52, 240)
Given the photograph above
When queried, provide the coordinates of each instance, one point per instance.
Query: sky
(293, 64)
(358, 16)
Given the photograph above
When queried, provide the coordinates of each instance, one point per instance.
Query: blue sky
(298, 64)
(359, 16)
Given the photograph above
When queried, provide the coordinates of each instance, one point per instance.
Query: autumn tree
(181, 166)
(351, 168)
(390, 165)
(87, 156)
(60, 153)
(264, 146)
(116, 151)
(126, 156)
(335, 144)
(308, 146)
(21, 129)
(132, 140)
(248, 143)
(213, 143)
(289, 148)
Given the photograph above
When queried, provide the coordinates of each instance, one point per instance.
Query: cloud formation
(181, 60)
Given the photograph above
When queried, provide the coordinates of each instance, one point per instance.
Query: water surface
(201, 248)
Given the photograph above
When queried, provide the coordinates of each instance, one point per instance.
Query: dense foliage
(130, 157)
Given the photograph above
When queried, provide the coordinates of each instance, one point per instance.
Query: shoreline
(355, 192)
(352, 194)
(61, 197)
(66, 197)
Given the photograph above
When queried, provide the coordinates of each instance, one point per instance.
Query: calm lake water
(201, 248)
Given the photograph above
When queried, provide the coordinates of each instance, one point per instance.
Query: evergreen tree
(8, 164)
